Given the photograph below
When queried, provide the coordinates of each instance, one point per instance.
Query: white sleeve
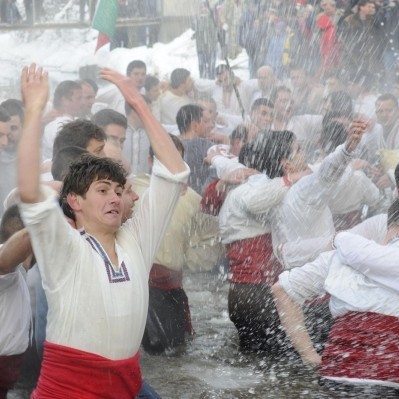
(224, 165)
(374, 228)
(156, 208)
(377, 262)
(297, 253)
(264, 194)
(306, 282)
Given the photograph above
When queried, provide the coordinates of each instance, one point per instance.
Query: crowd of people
(289, 179)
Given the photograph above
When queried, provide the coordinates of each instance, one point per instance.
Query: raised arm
(14, 251)
(163, 147)
(34, 87)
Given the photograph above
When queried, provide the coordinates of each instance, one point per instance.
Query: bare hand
(124, 84)
(359, 164)
(34, 88)
(356, 130)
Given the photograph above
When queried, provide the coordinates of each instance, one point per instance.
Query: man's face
(96, 147)
(224, 79)
(88, 99)
(137, 76)
(297, 159)
(283, 104)
(154, 92)
(262, 117)
(5, 133)
(298, 78)
(74, 103)
(205, 125)
(266, 79)
(102, 207)
(387, 112)
(116, 133)
(129, 197)
(189, 84)
(15, 132)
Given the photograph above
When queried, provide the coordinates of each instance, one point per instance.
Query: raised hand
(34, 88)
(356, 130)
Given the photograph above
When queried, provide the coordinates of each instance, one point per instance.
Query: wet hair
(176, 141)
(135, 64)
(341, 103)
(83, 172)
(333, 134)
(109, 116)
(388, 97)
(64, 89)
(393, 214)
(277, 90)
(397, 176)
(261, 102)
(178, 77)
(11, 222)
(63, 158)
(78, 133)
(221, 68)
(188, 114)
(150, 82)
(266, 152)
(239, 133)
(4, 115)
(14, 107)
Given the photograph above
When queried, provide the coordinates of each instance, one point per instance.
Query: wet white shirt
(15, 313)
(92, 306)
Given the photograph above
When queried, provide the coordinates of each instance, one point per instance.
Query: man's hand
(356, 130)
(34, 88)
(124, 84)
(238, 176)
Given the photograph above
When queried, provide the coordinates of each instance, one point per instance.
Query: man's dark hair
(266, 152)
(109, 116)
(240, 133)
(388, 97)
(11, 222)
(186, 115)
(4, 115)
(77, 133)
(393, 214)
(176, 141)
(341, 103)
(64, 89)
(178, 77)
(397, 176)
(332, 135)
(83, 172)
(150, 82)
(135, 64)
(14, 107)
(220, 69)
(63, 158)
(259, 102)
(277, 90)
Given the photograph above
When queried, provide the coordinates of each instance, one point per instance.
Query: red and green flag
(104, 20)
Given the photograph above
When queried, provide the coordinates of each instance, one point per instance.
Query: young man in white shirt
(95, 276)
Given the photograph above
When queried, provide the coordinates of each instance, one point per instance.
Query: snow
(63, 52)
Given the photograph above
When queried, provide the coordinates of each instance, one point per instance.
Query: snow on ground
(63, 52)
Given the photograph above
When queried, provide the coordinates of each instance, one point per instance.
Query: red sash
(252, 261)
(212, 200)
(364, 346)
(165, 279)
(68, 373)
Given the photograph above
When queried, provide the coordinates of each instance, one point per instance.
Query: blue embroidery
(114, 276)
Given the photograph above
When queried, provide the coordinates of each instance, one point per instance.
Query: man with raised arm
(96, 276)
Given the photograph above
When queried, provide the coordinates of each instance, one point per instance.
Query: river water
(212, 366)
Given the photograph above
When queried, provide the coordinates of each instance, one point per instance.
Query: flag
(104, 20)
